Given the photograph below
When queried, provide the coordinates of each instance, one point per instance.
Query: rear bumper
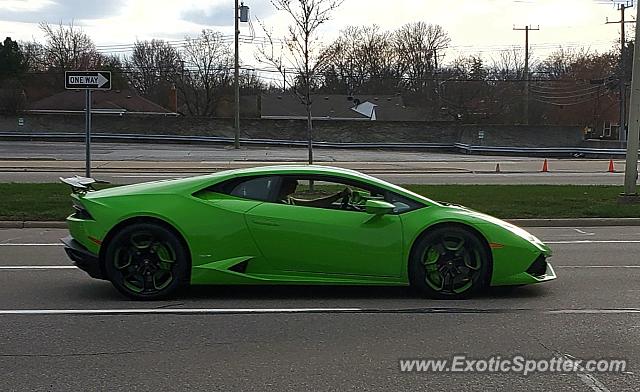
(82, 258)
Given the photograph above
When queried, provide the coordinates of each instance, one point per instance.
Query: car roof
(192, 184)
(306, 169)
(318, 170)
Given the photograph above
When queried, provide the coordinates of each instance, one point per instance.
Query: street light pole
(236, 80)
(633, 141)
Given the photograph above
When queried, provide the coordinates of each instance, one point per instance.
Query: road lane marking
(241, 311)
(176, 311)
(587, 378)
(546, 242)
(596, 266)
(593, 242)
(36, 267)
(33, 244)
(583, 232)
(64, 267)
(592, 382)
(594, 311)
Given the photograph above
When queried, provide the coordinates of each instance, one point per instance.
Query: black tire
(449, 262)
(146, 261)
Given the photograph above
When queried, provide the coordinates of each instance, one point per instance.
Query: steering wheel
(345, 200)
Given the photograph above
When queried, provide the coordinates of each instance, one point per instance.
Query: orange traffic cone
(545, 167)
(612, 168)
(497, 168)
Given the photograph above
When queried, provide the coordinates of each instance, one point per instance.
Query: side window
(259, 188)
(323, 192)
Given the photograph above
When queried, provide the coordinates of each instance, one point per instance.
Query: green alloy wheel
(449, 263)
(146, 261)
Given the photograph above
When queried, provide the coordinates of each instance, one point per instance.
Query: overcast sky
(475, 26)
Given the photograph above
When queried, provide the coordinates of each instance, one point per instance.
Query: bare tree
(575, 86)
(509, 65)
(153, 67)
(250, 82)
(362, 60)
(206, 75)
(69, 48)
(302, 49)
(577, 64)
(34, 55)
(419, 46)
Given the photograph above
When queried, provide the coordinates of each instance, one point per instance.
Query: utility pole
(631, 169)
(236, 78)
(622, 99)
(241, 15)
(526, 30)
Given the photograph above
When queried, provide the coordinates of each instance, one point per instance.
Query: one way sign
(87, 80)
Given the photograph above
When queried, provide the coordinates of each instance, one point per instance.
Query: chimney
(173, 99)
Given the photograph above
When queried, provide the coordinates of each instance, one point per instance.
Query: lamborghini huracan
(292, 225)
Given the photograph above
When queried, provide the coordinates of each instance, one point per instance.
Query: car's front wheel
(146, 261)
(449, 262)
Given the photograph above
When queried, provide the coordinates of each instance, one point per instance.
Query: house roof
(358, 107)
(112, 100)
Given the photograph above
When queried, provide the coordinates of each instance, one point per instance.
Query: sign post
(88, 81)
(87, 137)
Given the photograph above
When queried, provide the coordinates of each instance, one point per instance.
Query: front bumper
(541, 270)
(82, 258)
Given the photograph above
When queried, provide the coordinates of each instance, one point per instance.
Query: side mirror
(378, 207)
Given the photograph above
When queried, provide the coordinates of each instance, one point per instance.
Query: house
(106, 102)
(338, 107)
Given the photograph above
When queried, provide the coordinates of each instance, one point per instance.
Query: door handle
(265, 223)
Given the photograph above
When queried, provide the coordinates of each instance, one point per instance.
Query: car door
(219, 230)
(295, 238)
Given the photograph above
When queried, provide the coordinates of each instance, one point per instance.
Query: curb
(32, 225)
(578, 222)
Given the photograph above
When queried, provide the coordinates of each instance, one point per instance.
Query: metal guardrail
(543, 150)
(454, 147)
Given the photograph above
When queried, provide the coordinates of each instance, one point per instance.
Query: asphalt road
(130, 163)
(397, 178)
(240, 338)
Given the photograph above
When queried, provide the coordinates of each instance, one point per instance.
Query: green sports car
(283, 225)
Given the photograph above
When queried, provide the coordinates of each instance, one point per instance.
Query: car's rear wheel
(449, 262)
(146, 261)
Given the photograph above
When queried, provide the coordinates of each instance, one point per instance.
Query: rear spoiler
(82, 184)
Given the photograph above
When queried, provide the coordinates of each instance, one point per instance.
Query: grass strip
(47, 202)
